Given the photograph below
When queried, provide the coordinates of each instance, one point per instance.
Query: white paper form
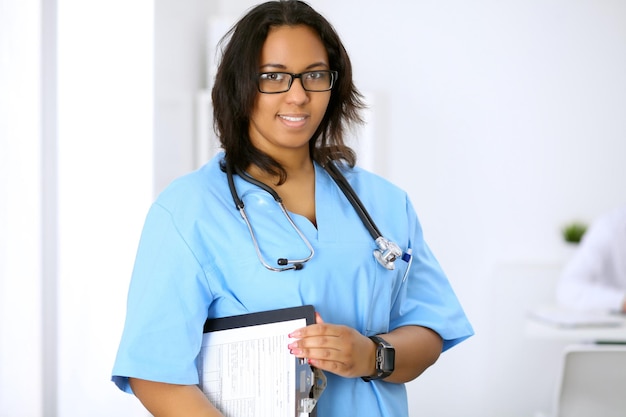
(249, 371)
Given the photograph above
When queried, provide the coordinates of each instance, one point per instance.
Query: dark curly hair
(235, 87)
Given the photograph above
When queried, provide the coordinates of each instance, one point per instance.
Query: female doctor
(217, 243)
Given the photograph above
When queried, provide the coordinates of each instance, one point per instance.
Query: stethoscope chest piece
(387, 252)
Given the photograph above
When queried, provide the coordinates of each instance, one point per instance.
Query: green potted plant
(574, 231)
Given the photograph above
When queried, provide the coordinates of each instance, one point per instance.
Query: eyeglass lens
(279, 82)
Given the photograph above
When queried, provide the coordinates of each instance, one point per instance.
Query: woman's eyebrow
(283, 67)
(276, 66)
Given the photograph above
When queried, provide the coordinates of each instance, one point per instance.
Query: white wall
(503, 120)
(179, 73)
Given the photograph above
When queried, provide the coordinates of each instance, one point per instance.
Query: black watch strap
(385, 359)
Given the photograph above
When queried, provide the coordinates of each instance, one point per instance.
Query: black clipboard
(309, 382)
(264, 317)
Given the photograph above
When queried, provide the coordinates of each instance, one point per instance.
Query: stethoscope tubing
(354, 199)
(287, 264)
(386, 253)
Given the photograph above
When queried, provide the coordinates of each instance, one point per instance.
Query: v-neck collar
(327, 204)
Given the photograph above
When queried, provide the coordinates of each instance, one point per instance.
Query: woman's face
(286, 121)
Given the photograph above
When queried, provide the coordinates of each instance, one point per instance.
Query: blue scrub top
(196, 260)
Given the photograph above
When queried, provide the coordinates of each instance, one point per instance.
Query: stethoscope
(386, 252)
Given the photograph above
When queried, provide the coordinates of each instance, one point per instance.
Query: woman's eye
(317, 76)
(274, 76)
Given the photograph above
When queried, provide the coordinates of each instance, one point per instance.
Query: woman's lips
(293, 120)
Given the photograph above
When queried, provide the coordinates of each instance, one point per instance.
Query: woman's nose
(297, 93)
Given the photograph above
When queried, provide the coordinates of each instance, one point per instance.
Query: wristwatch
(385, 359)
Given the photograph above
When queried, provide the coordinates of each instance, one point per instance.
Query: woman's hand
(334, 348)
(346, 352)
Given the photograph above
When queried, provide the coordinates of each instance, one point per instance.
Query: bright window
(20, 213)
(105, 101)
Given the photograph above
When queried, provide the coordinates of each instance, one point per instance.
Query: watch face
(385, 359)
(387, 356)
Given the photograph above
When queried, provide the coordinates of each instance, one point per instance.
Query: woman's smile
(293, 120)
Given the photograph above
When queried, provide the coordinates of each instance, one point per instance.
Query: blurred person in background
(595, 278)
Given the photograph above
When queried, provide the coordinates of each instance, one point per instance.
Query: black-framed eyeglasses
(280, 82)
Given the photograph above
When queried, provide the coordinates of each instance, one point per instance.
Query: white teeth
(292, 119)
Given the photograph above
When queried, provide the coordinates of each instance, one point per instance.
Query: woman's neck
(296, 168)
(298, 191)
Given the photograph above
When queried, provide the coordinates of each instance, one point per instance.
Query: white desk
(543, 329)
